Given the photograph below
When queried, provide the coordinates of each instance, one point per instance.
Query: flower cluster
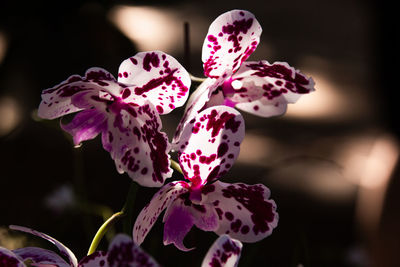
(126, 111)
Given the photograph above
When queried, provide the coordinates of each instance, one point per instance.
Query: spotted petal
(96, 259)
(9, 258)
(211, 143)
(160, 201)
(195, 104)
(56, 101)
(265, 89)
(63, 249)
(230, 40)
(225, 252)
(245, 211)
(124, 252)
(156, 77)
(41, 257)
(136, 143)
(181, 215)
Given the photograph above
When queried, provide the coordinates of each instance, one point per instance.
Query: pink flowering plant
(126, 112)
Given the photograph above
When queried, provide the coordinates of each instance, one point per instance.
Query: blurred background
(331, 162)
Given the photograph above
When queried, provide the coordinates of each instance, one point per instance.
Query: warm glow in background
(331, 162)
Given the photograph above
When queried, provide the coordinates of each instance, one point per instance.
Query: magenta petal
(124, 252)
(231, 39)
(9, 258)
(219, 130)
(63, 249)
(41, 256)
(160, 201)
(86, 125)
(245, 211)
(181, 215)
(178, 222)
(157, 77)
(225, 252)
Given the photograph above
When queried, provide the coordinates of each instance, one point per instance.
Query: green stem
(126, 211)
(175, 165)
(102, 230)
(197, 79)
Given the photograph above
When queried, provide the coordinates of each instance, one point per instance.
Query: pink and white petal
(157, 77)
(277, 82)
(63, 249)
(231, 39)
(86, 125)
(181, 215)
(245, 211)
(219, 130)
(138, 147)
(8, 258)
(96, 259)
(263, 108)
(41, 257)
(195, 104)
(56, 101)
(124, 252)
(149, 214)
(224, 252)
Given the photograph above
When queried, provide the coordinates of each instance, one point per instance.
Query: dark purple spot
(126, 93)
(229, 216)
(133, 60)
(222, 149)
(150, 59)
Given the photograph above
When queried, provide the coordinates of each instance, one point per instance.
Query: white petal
(230, 40)
(63, 249)
(160, 201)
(137, 145)
(157, 77)
(225, 252)
(245, 211)
(211, 143)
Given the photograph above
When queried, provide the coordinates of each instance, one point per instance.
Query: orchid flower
(225, 252)
(257, 87)
(122, 252)
(125, 111)
(208, 147)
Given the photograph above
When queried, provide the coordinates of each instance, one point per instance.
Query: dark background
(352, 44)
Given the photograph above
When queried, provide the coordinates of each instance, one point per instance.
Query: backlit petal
(63, 249)
(195, 104)
(230, 40)
(245, 211)
(8, 258)
(211, 143)
(273, 85)
(136, 143)
(57, 102)
(157, 77)
(41, 256)
(225, 252)
(149, 214)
